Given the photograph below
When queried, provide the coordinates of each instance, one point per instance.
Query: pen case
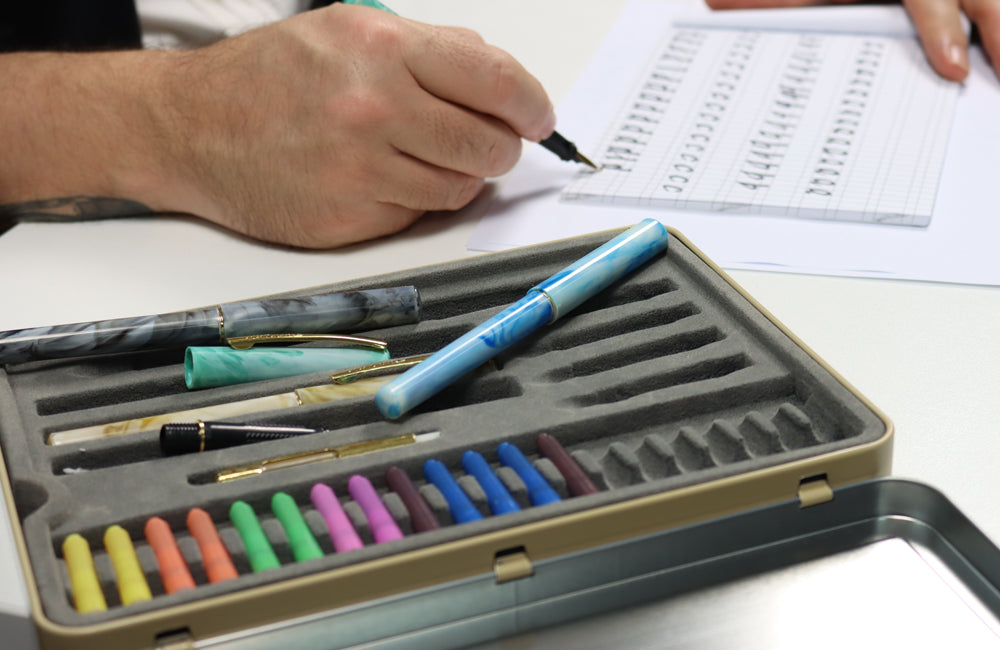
(718, 447)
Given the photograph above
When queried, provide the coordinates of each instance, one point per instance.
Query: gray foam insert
(666, 379)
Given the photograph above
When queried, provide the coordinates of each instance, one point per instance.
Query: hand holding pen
(351, 123)
(550, 139)
(381, 119)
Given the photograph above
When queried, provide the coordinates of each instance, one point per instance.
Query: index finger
(456, 65)
(939, 26)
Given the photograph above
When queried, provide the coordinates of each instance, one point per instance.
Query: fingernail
(956, 56)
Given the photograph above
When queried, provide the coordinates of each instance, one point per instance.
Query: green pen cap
(300, 538)
(259, 552)
(207, 367)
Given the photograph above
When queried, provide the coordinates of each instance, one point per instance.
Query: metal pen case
(680, 397)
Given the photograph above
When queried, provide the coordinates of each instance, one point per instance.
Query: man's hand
(331, 127)
(937, 23)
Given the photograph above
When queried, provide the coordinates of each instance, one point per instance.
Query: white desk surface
(927, 354)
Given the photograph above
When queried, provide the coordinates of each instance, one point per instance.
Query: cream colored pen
(351, 382)
(297, 397)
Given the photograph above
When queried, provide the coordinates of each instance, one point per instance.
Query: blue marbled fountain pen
(318, 313)
(544, 303)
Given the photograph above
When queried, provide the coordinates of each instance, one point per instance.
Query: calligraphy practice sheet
(808, 125)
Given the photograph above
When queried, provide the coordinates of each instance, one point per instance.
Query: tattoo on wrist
(71, 208)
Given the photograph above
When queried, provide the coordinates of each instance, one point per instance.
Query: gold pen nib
(566, 150)
(587, 161)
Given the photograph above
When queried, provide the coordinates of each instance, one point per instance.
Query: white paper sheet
(958, 245)
(814, 126)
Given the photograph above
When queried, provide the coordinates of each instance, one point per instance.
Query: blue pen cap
(497, 496)
(539, 490)
(459, 504)
(594, 272)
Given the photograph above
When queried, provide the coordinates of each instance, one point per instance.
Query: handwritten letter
(813, 126)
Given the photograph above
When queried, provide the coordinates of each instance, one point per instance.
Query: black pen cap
(185, 438)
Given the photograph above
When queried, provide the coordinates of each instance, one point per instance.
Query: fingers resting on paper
(937, 22)
(944, 41)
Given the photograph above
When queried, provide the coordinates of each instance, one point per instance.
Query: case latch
(512, 564)
(814, 490)
(176, 640)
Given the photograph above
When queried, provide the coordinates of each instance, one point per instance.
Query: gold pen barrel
(367, 446)
(271, 464)
(238, 472)
(331, 453)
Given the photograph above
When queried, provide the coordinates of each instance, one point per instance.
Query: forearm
(331, 127)
(80, 135)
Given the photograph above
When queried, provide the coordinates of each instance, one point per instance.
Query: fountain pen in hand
(555, 143)
(566, 150)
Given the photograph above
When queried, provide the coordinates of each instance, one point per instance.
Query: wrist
(80, 125)
(150, 166)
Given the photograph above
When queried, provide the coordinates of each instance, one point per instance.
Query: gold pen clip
(247, 342)
(375, 369)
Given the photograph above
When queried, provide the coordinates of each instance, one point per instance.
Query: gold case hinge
(179, 640)
(814, 491)
(512, 565)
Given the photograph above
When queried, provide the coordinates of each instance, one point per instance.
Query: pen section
(667, 379)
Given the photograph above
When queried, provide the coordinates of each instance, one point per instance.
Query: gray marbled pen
(312, 314)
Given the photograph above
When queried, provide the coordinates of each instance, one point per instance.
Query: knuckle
(506, 80)
(372, 30)
(468, 38)
(502, 154)
(383, 36)
(360, 109)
